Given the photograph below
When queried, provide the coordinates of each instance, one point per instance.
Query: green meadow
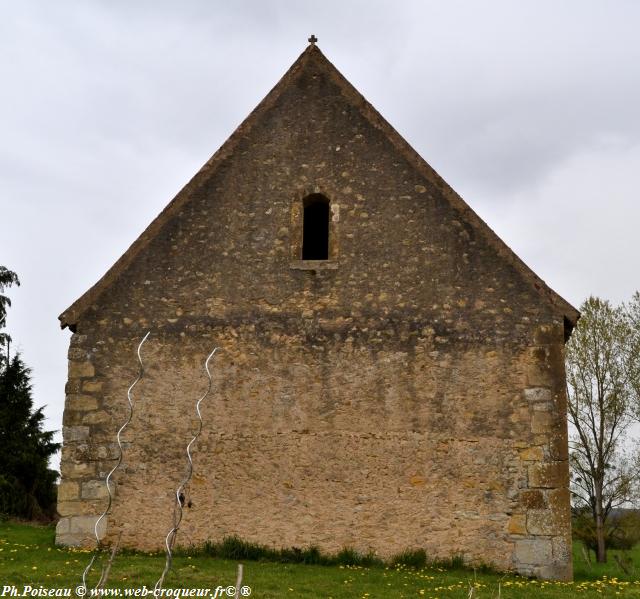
(29, 557)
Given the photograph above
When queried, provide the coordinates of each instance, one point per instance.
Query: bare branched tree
(602, 397)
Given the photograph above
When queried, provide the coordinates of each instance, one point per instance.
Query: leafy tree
(601, 394)
(622, 529)
(27, 485)
(632, 310)
(7, 278)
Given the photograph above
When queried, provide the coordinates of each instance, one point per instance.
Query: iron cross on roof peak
(313, 39)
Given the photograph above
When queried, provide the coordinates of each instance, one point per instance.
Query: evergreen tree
(7, 278)
(27, 484)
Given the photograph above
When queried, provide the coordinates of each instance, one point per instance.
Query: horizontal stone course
(81, 402)
(75, 433)
(79, 530)
(81, 369)
(538, 395)
(68, 490)
(549, 475)
(533, 552)
(91, 386)
(96, 489)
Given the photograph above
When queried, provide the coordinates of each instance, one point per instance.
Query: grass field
(29, 557)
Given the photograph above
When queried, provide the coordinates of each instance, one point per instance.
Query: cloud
(528, 109)
(578, 227)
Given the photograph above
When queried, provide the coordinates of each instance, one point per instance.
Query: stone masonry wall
(408, 393)
(378, 450)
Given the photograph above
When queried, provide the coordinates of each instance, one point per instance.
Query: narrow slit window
(315, 228)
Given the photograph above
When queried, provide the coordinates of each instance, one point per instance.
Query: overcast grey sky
(528, 109)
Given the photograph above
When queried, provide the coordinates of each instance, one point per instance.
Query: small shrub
(347, 557)
(411, 558)
(455, 562)
(312, 555)
(622, 529)
(292, 555)
(486, 569)
(626, 530)
(210, 548)
(235, 548)
(371, 560)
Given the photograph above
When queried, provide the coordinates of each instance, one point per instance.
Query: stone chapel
(390, 374)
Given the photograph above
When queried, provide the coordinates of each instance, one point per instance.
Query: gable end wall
(413, 396)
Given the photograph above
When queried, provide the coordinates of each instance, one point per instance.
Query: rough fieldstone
(68, 491)
(77, 340)
(533, 551)
(76, 353)
(81, 402)
(558, 500)
(68, 508)
(95, 489)
(70, 469)
(539, 373)
(561, 549)
(518, 524)
(62, 527)
(538, 394)
(79, 370)
(75, 433)
(556, 571)
(98, 417)
(79, 530)
(92, 386)
(559, 446)
(543, 522)
(72, 386)
(533, 454)
(548, 475)
(532, 499)
(542, 422)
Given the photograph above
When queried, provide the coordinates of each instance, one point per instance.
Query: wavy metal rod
(177, 509)
(118, 463)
